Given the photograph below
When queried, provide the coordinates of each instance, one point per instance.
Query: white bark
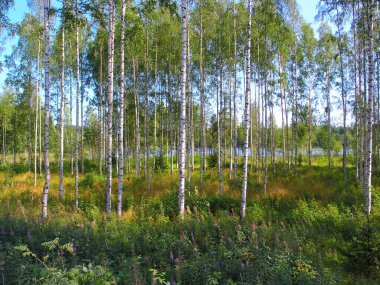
(219, 108)
(137, 119)
(146, 114)
(78, 90)
(110, 104)
(246, 115)
(182, 142)
(202, 95)
(37, 112)
(46, 189)
(368, 146)
(235, 93)
(62, 121)
(121, 116)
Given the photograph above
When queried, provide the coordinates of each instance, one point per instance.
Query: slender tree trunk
(40, 133)
(82, 129)
(100, 115)
(182, 144)
(246, 115)
(46, 189)
(78, 90)
(258, 122)
(368, 147)
(231, 119)
(282, 95)
(188, 89)
(121, 116)
(364, 111)
(310, 117)
(4, 155)
(14, 141)
(37, 115)
(71, 122)
(155, 110)
(110, 103)
(343, 95)
(328, 116)
(146, 118)
(265, 122)
(62, 114)
(296, 115)
(171, 127)
(272, 151)
(235, 93)
(356, 105)
(220, 110)
(202, 95)
(137, 118)
(251, 129)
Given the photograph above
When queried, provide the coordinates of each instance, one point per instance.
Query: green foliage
(88, 180)
(364, 251)
(310, 237)
(161, 164)
(212, 160)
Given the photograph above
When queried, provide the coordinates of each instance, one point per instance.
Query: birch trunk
(46, 189)
(356, 105)
(202, 95)
(188, 88)
(220, 110)
(246, 115)
(368, 146)
(328, 116)
(155, 111)
(343, 96)
(310, 116)
(37, 114)
(121, 116)
(110, 104)
(182, 142)
(235, 93)
(78, 90)
(62, 121)
(137, 119)
(100, 115)
(146, 118)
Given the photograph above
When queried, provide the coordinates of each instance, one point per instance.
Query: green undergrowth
(310, 228)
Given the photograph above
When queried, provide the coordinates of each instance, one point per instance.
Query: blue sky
(308, 10)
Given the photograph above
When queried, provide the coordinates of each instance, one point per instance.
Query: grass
(310, 228)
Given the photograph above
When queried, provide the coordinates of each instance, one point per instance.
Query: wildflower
(177, 261)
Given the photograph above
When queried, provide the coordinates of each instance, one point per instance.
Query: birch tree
(61, 113)
(246, 114)
(121, 114)
(78, 91)
(111, 32)
(46, 188)
(182, 139)
(370, 105)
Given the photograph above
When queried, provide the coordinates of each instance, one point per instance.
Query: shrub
(212, 160)
(161, 165)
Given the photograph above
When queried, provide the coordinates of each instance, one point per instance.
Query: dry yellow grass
(18, 193)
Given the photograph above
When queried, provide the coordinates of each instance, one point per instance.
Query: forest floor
(310, 228)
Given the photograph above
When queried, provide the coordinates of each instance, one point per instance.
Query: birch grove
(131, 90)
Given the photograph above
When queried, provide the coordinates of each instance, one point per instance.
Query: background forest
(192, 142)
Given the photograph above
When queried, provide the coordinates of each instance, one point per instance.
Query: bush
(161, 165)
(364, 251)
(212, 160)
